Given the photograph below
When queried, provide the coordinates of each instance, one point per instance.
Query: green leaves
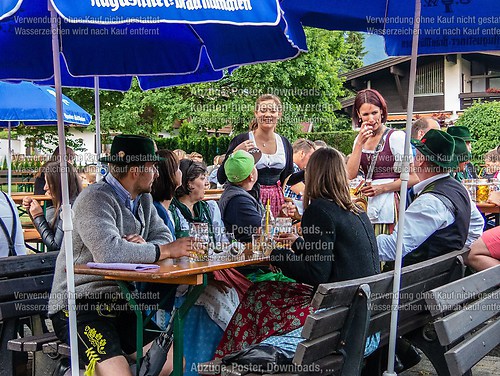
(483, 121)
(308, 85)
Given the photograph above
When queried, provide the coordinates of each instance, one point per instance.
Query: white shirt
(276, 160)
(6, 215)
(381, 207)
(423, 218)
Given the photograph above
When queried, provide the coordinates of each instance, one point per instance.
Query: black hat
(127, 149)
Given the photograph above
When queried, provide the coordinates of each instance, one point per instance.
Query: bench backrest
(351, 310)
(25, 284)
(470, 322)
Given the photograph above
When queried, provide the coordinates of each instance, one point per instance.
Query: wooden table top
(175, 271)
(31, 236)
(18, 197)
(488, 208)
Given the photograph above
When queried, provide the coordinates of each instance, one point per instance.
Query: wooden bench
(350, 311)
(468, 324)
(55, 348)
(25, 284)
(23, 181)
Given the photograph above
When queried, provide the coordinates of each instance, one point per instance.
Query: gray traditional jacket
(100, 222)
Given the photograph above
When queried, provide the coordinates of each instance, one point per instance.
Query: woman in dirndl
(276, 163)
(369, 115)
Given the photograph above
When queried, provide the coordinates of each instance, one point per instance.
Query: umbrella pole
(98, 146)
(405, 176)
(9, 163)
(66, 207)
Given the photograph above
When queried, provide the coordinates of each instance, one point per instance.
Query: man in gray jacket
(115, 221)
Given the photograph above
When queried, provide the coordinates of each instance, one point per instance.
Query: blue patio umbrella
(445, 26)
(204, 73)
(138, 38)
(34, 105)
(409, 28)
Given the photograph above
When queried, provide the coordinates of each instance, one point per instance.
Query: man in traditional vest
(438, 221)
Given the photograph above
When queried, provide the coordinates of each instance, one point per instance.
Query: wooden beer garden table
(18, 198)
(172, 271)
(489, 209)
(31, 235)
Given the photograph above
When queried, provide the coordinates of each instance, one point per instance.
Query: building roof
(372, 68)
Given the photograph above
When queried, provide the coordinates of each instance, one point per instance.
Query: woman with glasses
(276, 163)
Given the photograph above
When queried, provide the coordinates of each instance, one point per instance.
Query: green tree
(46, 140)
(308, 85)
(483, 121)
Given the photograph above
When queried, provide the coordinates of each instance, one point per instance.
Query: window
(430, 79)
(494, 81)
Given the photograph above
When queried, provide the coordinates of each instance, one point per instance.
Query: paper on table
(123, 266)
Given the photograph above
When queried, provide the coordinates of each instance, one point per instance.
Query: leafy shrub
(483, 121)
(340, 140)
(208, 146)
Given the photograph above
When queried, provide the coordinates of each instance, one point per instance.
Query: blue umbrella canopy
(204, 73)
(446, 26)
(36, 105)
(140, 41)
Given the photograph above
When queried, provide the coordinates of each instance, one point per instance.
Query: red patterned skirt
(274, 194)
(267, 309)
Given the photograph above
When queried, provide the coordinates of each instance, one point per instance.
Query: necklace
(266, 143)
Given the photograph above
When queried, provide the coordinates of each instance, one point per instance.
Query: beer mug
(199, 231)
(261, 244)
(482, 190)
(470, 186)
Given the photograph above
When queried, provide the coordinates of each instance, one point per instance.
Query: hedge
(210, 146)
(340, 140)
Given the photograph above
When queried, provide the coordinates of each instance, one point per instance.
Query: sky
(374, 46)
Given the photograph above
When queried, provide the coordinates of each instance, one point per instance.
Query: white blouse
(276, 160)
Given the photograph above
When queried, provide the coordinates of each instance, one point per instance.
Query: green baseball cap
(239, 165)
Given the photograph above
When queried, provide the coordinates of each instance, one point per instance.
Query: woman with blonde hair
(338, 244)
(276, 163)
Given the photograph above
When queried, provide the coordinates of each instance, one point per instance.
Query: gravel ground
(488, 366)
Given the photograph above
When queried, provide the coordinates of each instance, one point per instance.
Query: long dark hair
(52, 171)
(326, 177)
(70, 156)
(164, 186)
